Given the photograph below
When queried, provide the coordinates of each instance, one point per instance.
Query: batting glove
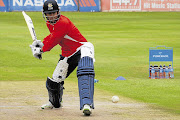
(36, 49)
(37, 43)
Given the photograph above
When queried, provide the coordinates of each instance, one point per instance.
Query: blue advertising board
(4, 5)
(37, 5)
(89, 5)
(161, 54)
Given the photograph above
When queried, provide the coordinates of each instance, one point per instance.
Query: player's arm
(48, 43)
(52, 40)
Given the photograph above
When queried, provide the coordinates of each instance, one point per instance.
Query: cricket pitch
(23, 99)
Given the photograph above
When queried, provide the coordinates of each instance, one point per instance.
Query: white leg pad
(61, 70)
(87, 50)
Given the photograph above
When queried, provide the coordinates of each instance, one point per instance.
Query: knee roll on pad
(55, 91)
(85, 74)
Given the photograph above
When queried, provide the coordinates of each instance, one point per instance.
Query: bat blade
(30, 26)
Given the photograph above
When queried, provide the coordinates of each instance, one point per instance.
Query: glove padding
(36, 49)
(37, 43)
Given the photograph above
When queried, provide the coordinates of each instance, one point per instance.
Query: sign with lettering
(140, 5)
(125, 5)
(161, 5)
(37, 5)
(161, 55)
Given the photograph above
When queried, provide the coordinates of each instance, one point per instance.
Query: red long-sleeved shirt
(64, 33)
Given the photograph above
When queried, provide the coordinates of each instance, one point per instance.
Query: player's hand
(36, 49)
(37, 43)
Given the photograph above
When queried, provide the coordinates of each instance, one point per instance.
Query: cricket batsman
(76, 52)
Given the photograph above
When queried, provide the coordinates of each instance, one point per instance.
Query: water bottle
(160, 72)
(152, 73)
(156, 72)
(167, 73)
(171, 72)
(164, 73)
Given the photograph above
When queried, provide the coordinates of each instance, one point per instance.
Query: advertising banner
(89, 5)
(125, 5)
(3, 5)
(161, 5)
(161, 55)
(105, 5)
(140, 5)
(37, 5)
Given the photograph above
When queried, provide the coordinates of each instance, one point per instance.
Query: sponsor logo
(82, 3)
(2, 3)
(50, 6)
(125, 4)
(160, 55)
(41, 2)
(161, 5)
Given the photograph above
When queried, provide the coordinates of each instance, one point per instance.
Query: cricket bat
(30, 26)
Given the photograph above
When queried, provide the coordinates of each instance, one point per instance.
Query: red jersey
(64, 33)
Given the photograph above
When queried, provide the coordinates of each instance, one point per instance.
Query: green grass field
(121, 41)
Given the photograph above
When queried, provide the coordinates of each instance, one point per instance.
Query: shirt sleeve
(52, 40)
